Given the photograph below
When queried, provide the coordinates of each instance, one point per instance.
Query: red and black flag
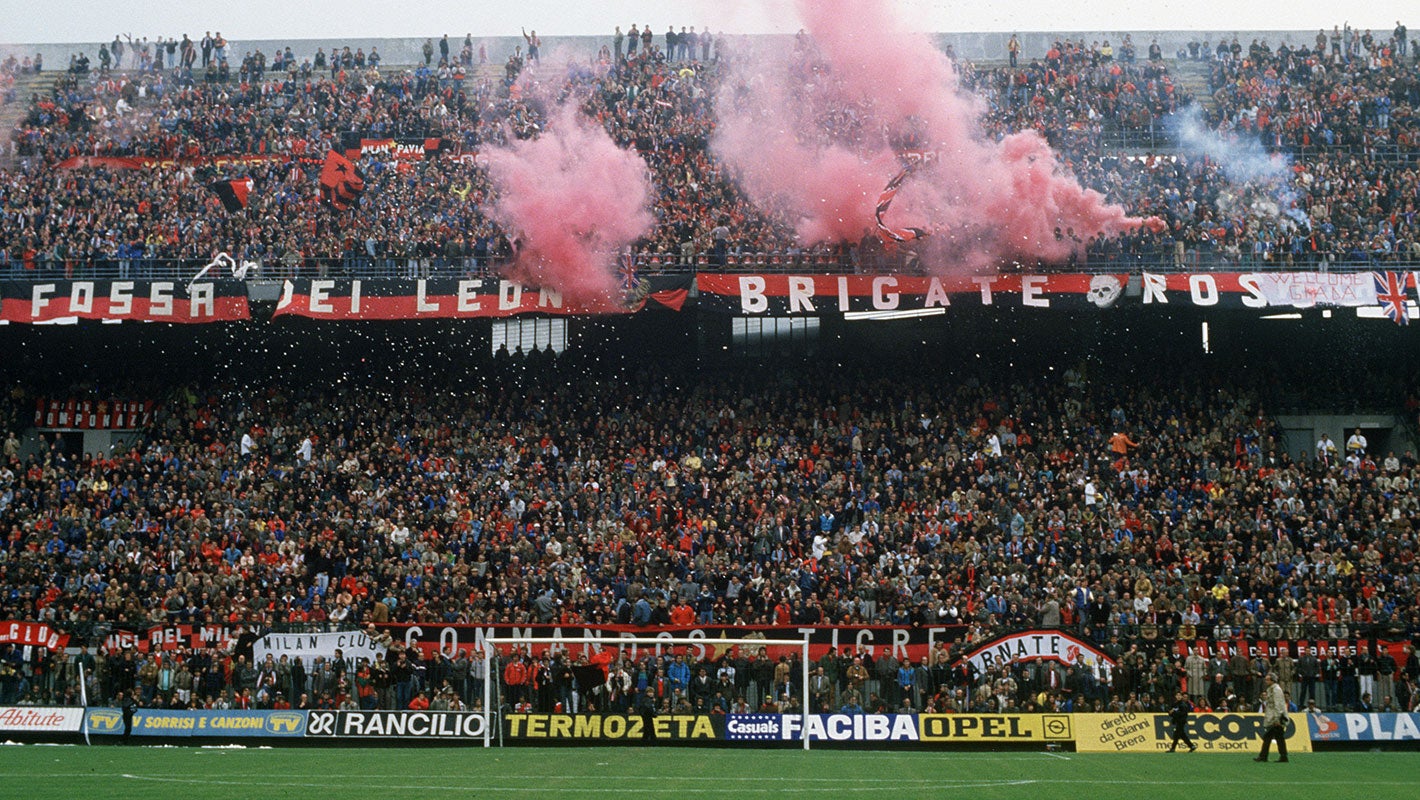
(233, 193)
(340, 181)
(892, 237)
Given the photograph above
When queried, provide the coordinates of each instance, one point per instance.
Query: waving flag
(340, 181)
(889, 235)
(1390, 294)
(233, 193)
(626, 271)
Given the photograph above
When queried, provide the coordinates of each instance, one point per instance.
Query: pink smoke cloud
(574, 200)
(816, 137)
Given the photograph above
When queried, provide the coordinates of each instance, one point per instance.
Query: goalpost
(492, 655)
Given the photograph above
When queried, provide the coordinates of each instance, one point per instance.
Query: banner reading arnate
(1035, 646)
(1152, 733)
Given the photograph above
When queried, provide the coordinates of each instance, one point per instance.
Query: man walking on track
(1178, 714)
(1274, 719)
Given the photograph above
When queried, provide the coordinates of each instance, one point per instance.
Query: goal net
(629, 675)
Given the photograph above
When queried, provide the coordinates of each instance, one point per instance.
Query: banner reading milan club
(903, 642)
(1296, 648)
(144, 301)
(351, 645)
(92, 414)
(780, 294)
(453, 298)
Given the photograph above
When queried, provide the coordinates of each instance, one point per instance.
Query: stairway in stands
(12, 114)
(1192, 77)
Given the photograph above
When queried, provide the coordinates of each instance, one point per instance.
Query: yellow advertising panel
(1151, 733)
(995, 727)
(611, 726)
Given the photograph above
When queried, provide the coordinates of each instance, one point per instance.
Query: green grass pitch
(116, 773)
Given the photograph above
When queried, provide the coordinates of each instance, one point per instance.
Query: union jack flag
(626, 270)
(889, 235)
(1390, 294)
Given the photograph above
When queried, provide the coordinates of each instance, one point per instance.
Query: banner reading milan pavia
(403, 149)
(61, 302)
(781, 294)
(466, 298)
(903, 642)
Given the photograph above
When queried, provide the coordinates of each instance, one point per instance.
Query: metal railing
(651, 263)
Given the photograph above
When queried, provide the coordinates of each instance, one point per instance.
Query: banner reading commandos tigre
(904, 642)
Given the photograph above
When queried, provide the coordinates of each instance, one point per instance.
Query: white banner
(1036, 646)
(40, 719)
(1308, 289)
(353, 645)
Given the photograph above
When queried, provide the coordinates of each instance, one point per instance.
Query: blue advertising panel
(1364, 727)
(205, 724)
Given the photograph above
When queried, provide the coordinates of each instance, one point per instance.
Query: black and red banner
(402, 149)
(75, 414)
(31, 634)
(167, 637)
(460, 298)
(787, 294)
(62, 302)
(777, 294)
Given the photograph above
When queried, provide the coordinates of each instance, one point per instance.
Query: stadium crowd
(1084, 503)
(1345, 199)
(823, 495)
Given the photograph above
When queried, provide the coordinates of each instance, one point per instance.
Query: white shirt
(306, 450)
(248, 444)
